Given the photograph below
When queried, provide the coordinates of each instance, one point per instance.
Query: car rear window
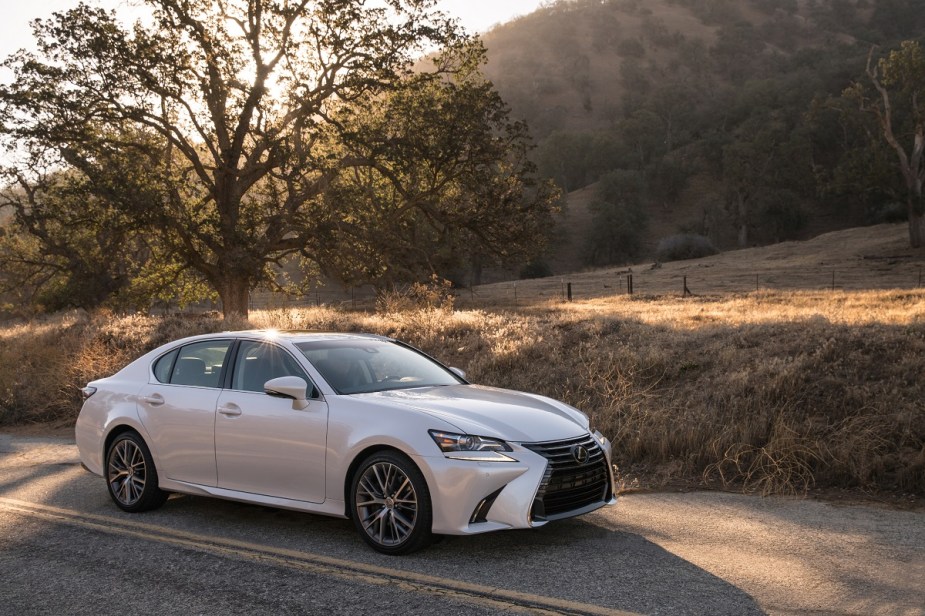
(164, 365)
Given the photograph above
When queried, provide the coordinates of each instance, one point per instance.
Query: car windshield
(354, 366)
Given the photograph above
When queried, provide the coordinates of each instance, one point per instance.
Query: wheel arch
(115, 432)
(360, 457)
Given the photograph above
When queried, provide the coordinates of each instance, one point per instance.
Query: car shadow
(576, 560)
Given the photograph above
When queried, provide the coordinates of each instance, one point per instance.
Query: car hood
(487, 411)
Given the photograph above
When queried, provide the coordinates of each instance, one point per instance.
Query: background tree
(899, 80)
(619, 218)
(70, 244)
(243, 97)
(445, 184)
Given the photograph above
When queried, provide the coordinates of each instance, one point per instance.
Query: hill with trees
(744, 121)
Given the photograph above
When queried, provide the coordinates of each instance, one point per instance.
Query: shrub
(684, 246)
(435, 294)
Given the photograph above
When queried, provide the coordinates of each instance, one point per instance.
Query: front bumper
(459, 487)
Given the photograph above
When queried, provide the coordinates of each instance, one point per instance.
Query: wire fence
(677, 281)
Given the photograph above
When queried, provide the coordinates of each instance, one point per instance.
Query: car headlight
(469, 447)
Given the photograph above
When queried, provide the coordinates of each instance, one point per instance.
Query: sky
(475, 15)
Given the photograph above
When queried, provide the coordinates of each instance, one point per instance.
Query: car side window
(164, 366)
(200, 364)
(258, 362)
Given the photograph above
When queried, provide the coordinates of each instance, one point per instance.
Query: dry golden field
(776, 391)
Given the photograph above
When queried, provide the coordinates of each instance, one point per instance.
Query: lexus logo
(580, 454)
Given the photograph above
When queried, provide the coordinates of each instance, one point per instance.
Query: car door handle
(231, 410)
(154, 399)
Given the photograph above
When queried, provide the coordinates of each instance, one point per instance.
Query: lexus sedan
(349, 425)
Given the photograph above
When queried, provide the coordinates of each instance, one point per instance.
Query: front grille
(570, 485)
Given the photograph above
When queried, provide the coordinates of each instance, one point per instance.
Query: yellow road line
(495, 598)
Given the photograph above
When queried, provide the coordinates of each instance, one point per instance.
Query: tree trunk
(235, 295)
(743, 221)
(916, 227)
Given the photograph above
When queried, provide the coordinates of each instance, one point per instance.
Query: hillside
(562, 66)
(724, 112)
(571, 64)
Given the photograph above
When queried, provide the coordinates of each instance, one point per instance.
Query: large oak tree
(251, 117)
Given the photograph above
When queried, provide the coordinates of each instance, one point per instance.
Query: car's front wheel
(390, 504)
(131, 476)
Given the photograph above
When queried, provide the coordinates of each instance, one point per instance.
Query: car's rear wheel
(390, 504)
(131, 476)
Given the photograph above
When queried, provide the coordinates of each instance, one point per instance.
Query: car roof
(294, 335)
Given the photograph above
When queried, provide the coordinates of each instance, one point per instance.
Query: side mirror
(293, 387)
(458, 373)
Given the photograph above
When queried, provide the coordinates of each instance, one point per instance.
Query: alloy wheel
(127, 472)
(386, 504)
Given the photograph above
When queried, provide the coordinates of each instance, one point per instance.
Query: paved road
(65, 549)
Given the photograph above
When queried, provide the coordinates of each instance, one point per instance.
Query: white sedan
(349, 425)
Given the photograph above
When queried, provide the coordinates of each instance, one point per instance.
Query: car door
(177, 408)
(262, 444)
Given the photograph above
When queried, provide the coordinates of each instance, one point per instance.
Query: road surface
(66, 549)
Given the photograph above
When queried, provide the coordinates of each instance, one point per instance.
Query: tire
(130, 475)
(390, 504)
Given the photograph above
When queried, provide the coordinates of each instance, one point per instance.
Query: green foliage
(618, 218)
(854, 167)
(575, 160)
(59, 250)
(903, 72)
(448, 183)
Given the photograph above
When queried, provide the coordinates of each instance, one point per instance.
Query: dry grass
(775, 392)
